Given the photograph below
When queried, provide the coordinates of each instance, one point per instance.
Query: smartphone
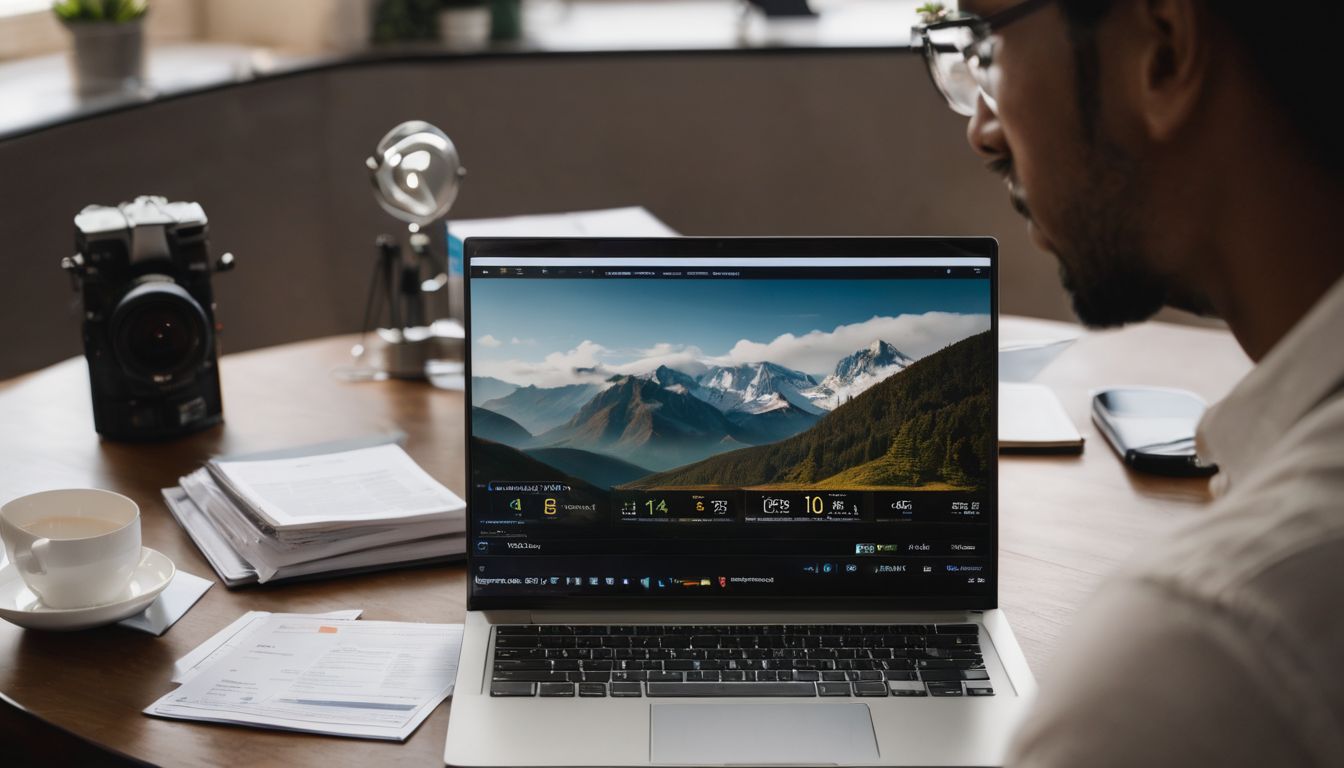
(1152, 428)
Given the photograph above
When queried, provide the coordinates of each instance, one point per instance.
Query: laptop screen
(704, 420)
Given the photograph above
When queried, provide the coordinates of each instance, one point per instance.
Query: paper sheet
(171, 605)
(370, 679)
(228, 638)
(611, 222)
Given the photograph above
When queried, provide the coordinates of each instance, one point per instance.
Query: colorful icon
(516, 505)
(827, 568)
(611, 581)
(723, 582)
(661, 584)
(705, 583)
(593, 581)
(644, 582)
(548, 507)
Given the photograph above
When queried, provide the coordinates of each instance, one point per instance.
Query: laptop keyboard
(725, 660)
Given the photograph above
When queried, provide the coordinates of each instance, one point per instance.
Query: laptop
(733, 501)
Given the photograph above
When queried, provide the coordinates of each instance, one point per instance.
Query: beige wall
(296, 25)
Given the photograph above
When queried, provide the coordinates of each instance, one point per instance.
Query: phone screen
(1152, 421)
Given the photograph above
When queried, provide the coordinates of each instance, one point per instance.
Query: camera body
(149, 318)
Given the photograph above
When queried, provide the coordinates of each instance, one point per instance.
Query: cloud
(682, 357)
(523, 342)
(815, 352)
(819, 351)
(579, 365)
(489, 341)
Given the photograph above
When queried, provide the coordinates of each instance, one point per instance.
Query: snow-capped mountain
(856, 373)
(755, 388)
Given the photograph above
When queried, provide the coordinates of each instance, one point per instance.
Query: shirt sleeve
(1151, 678)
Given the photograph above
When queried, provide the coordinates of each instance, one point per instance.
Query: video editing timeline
(760, 541)
(587, 478)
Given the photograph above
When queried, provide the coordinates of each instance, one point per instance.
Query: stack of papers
(317, 673)
(319, 510)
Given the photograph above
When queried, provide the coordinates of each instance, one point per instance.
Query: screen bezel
(615, 249)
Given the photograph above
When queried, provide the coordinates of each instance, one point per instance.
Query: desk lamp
(416, 174)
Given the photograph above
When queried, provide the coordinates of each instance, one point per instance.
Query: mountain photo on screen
(706, 384)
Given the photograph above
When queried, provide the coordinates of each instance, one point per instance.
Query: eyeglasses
(960, 54)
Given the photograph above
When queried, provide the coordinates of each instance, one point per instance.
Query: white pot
(465, 27)
(107, 57)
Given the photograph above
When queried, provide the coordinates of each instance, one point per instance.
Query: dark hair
(1299, 75)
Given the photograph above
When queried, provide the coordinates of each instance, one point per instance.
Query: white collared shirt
(1224, 645)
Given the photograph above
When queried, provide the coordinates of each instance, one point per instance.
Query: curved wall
(714, 143)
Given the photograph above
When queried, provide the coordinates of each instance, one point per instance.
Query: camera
(149, 317)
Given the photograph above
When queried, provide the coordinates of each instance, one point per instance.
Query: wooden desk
(1065, 521)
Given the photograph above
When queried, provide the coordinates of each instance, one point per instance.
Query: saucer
(18, 604)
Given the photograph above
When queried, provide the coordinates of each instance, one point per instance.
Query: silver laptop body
(769, 460)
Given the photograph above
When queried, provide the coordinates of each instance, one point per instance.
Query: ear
(1174, 63)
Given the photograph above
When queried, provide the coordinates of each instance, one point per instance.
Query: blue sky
(538, 331)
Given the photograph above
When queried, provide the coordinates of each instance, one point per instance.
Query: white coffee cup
(75, 547)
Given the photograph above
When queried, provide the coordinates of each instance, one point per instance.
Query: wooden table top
(1064, 522)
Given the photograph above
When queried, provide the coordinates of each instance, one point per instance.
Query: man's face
(1078, 188)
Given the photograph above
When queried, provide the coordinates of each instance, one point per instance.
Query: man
(1181, 153)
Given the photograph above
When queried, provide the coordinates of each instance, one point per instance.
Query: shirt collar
(1301, 371)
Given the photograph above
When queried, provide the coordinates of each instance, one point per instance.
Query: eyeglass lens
(955, 76)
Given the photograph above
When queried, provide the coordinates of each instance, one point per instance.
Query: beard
(1101, 259)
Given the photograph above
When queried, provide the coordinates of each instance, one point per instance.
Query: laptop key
(833, 689)
(592, 689)
(979, 690)
(944, 689)
(528, 676)
(871, 688)
(532, 664)
(519, 653)
(516, 629)
(732, 689)
(627, 689)
(940, 675)
(512, 689)
(557, 689)
(906, 688)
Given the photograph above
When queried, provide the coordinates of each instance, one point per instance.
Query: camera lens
(159, 332)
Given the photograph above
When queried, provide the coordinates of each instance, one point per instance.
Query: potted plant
(109, 43)
(464, 23)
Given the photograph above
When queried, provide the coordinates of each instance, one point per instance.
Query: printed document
(358, 487)
(369, 679)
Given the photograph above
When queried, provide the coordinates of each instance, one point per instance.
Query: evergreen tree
(905, 468)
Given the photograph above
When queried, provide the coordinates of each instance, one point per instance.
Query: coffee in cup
(75, 547)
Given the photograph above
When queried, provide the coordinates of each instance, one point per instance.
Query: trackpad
(748, 733)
